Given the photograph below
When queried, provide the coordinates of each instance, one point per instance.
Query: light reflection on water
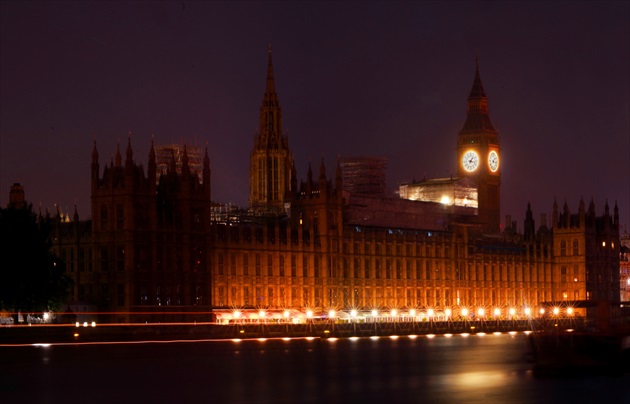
(458, 368)
(474, 380)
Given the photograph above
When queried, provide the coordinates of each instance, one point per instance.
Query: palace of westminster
(335, 240)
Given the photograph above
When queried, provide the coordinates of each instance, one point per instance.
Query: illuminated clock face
(493, 161)
(470, 161)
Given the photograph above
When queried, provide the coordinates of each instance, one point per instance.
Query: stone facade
(152, 246)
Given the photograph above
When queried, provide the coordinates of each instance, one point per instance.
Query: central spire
(270, 132)
(270, 160)
(271, 87)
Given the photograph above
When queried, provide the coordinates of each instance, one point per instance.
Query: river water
(442, 369)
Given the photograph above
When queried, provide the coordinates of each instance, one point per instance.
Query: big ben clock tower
(478, 156)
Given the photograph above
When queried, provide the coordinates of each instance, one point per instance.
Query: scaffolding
(363, 175)
(164, 155)
(447, 191)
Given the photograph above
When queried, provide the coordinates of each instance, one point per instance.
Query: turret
(129, 154)
(152, 169)
(185, 166)
(591, 213)
(322, 177)
(118, 157)
(529, 227)
(616, 216)
(16, 196)
(338, 180)
(294, 187)
(206, 174)
(309, 179)
(582, 213)
(95, 166)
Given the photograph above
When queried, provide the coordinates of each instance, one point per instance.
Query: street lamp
(286, 320)
(309, 316)
(374, 315)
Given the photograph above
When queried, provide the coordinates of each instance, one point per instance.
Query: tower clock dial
(493, 161)
(470, 161)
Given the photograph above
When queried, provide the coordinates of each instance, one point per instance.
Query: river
(441, 369)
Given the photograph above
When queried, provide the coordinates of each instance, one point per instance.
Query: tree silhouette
(32, 278)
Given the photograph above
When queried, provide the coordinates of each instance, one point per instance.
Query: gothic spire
(270, 115)
(270, 160)
(477, 90)
(185, 168)
(118, 157)
(94, 154)
(151, 153)
(129, 152)
(152, 169)
(322, 171)
(206, 160)
(478, 118)
(271, 87)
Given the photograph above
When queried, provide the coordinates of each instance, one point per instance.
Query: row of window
(370, 268)
(378, 297)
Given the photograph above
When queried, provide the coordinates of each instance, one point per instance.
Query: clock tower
(478, 156)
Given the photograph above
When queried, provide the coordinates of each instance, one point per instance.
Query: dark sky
(353, 78)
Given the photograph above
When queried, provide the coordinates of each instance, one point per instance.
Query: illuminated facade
(447, 191)
(624, 268)
(154, 243)
(271, 162)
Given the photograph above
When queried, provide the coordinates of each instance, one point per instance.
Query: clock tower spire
(478, 156)
(270, 160)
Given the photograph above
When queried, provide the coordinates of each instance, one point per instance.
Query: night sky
(353, 78)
